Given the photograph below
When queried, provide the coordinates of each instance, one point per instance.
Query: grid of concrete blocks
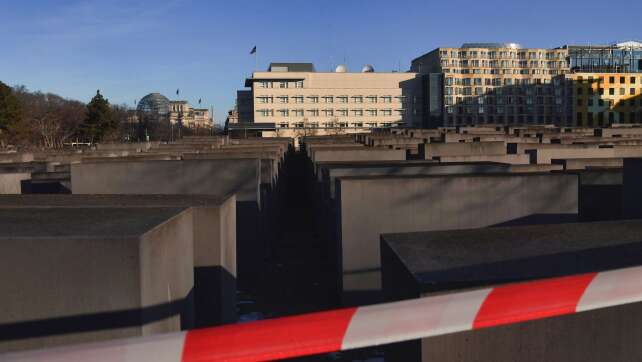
(127, 240)
(140, 239)
(409, 213)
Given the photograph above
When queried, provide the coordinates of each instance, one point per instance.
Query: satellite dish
(341, 68)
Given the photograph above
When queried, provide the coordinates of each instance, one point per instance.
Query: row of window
(506, 71)
(335, 124)
(610, 102)
(449, 100)
(329, 112)
(503, 63)
(468, 91)
(498, 81)
(510, 119)
(504, 110)
(611, 79)
(328, 99)
(612, 91)
(280, 84)
(502, 54)
(600, 117)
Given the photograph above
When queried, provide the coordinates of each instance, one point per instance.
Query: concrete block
(370, 206)
(89, 274)
(420, 264)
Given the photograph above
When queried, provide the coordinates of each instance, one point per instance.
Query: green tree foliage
(10, 111)
(100, 121)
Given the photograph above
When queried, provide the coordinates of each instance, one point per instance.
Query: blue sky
(130, 48)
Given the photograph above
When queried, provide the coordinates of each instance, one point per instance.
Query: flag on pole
(253, 50)
(199, 101)
(178, 91)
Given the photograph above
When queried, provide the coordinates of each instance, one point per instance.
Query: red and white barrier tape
(352, 328)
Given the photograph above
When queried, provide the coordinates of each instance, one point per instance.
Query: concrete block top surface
(105, 223)
(513, 253)
(105, 201)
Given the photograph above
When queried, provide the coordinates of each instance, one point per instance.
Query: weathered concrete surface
(11, 183)
(330, 172)
(364, 154)
(601, 192)
(109, 273)
(510, 159)
(370, 206)
(582, 163)
(193, 177)
(546, 155)
(632, 190)
(189, 177)
(214, 226)
(463, 149)
(418, 264)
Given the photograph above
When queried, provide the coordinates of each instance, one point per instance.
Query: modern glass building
(623, 57)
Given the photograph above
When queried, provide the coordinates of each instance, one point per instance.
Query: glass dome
(154, 104)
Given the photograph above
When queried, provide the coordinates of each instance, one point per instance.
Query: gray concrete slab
(419, 264)
(88, 274)
(370, 206)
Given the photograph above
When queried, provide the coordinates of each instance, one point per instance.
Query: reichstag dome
(154, 104)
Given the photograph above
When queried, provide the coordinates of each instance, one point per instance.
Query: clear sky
(128, 48)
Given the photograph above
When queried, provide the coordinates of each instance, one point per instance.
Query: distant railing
(352, 328)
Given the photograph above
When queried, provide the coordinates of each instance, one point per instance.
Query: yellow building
(600, 99)
(188, 116)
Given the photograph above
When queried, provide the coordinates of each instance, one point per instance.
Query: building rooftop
(291, 67)
(492, 45)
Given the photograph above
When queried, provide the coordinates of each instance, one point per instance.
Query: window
(632, 91)
(342, 99)
(632, 80)
(298, 99)
(622, 80)
(313, 99)
(328, 99)
(357, 99)
(265, 112)
(265, 99)
(298, 112)
(313, 112)
(328, 112)
(282, 99)
(298, 84)
(342, 112)
(611, 79)
(357, 112)
(388, 99)
(387, 112)
(283, 84)
(372, 112)
(612, 91)
(283, 125)
(622, 91)
(265, 84)
(283, 112)
(371, 99)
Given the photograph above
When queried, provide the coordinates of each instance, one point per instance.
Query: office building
(489, 83)
(293, 99)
